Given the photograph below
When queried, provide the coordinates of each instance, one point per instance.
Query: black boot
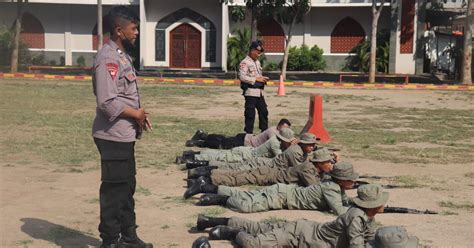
(200, 186)
(113, 244)
(196, 163)
(199, 135)
(224, 233)
(192, 181)
(201, 242)
(130, 239)
(204, 222)
(201, 171)
(191, 143)
(212, 199)
(187, 156)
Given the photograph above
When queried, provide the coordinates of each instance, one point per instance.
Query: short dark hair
(284, 121)
(118, 13)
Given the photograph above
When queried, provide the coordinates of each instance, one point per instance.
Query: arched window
(272, 35)
(32, 31)
(106, 31)
(347, 34)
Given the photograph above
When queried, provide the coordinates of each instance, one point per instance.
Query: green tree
(289, 12)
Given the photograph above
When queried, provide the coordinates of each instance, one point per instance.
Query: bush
(305, 59)
(24, 56)
(361, 60)
(272, 66)
(81, 61)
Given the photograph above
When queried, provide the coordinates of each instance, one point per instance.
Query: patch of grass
(190, 225)
(165, 227)
(407, 182)
(75, 170)
(214, 212)
(143, 191)
(465, 206)
(94, 200)
(24, 242)
(177, 200)
(469, 174)
(448, 213)
(274, 219)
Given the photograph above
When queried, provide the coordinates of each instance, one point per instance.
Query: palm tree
(237, 47)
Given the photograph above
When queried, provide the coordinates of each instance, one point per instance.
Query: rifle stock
(401, 210)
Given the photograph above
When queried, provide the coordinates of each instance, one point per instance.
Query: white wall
(320, 22)
(405, 63)
(156, 10)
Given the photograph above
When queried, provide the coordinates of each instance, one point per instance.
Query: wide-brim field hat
(393, 237)
(308, 138)
(344, 171)
(286, 134)
(321, 155)
(370, 196)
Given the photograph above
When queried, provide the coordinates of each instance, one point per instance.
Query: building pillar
(225, 35)
(67, 36)
(143, 31)
(394, 24)
(307, 29)
(420, 41)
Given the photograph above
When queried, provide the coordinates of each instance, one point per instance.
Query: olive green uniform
(269, 149)
(292, 156)
(326, 195)
(351, 229)
(304, 174)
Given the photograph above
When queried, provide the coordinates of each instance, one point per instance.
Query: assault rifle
(371, 177)
(399, 210)
(359, 183)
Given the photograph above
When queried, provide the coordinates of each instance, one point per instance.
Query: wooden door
(185, 49)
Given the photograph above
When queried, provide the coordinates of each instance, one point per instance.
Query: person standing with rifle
(252, 82)
(119, 121)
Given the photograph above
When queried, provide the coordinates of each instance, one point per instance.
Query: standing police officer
(252, 83)
(119, 121)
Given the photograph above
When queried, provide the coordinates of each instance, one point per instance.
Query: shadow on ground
(60, 235)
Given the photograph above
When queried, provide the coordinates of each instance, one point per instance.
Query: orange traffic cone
(281, 87)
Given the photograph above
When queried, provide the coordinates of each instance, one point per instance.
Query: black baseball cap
(257, 45)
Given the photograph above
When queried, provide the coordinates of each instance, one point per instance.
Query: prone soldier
(218, 141)
(292, 156)
(354, 228)
(327, 195)
(269, 149)
(305, 174)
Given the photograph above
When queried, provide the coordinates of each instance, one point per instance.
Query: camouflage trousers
(299, 233)
(253, 163)
(264, 199)
(237, 154)
(260, 176)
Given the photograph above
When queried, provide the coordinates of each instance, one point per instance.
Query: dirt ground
(42, 206)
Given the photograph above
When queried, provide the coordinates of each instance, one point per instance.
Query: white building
(192, 35)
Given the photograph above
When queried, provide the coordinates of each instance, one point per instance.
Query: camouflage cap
(393, 237)
(321, 155)
(286, 134)
(308, 138)
(344, 171)
(370, 196)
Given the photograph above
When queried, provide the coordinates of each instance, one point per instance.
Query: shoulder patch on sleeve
(113, 69)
